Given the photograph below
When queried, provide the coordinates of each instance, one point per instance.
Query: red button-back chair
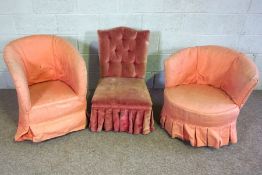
(121, 101)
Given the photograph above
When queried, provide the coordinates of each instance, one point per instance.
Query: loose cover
(205, 87)
(51, 83)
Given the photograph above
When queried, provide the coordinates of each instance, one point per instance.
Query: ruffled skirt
(134, 120)
(198, 135)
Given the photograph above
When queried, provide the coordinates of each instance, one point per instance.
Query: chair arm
(73, 67)
(78, 74)
(180, 67)
(18, 72)
(240, 80)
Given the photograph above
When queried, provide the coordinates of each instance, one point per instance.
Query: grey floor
(120, 153)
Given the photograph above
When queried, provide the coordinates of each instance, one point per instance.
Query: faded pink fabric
(122, 104)
(205, 88)
(123, 52)
(121, 101)
(51, 83)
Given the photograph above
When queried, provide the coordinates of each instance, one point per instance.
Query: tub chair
(121, 101)
(51, 84)
(205, 88)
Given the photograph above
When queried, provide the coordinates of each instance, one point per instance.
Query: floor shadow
(9, 104)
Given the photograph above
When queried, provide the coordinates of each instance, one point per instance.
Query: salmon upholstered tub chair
(51, 83)
(121, 101)
(205, 87)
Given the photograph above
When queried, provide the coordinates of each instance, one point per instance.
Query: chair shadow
(154, 85)
(157, 99)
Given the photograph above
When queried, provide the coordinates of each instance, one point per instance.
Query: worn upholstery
(123, 52)
(51, 83)
(109, 88)
(205, 88)
(121, 101)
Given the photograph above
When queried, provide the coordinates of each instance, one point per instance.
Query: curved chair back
(45, 58)
(36, 53)
(217, 66)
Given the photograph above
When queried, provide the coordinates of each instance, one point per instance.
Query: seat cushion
(49, 92)
(200, 105)
(51, 100)
(121, 91)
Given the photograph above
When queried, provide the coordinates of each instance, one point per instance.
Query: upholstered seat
(51, 83)
(205, 89)
(121, 101)
(52, 91)
(57, 96)
(121, 91)
(209, 101)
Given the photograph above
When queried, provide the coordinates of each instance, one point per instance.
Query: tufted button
(121, 36)
(113, 49)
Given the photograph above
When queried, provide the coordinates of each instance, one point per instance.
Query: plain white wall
(174, 24)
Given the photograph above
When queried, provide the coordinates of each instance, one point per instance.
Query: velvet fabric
(51, 83)
(122, 91)
(123, 52)
(205, 88)
(122, 104)
(121, 101)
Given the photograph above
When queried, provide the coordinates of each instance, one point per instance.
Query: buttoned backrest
(123, 52)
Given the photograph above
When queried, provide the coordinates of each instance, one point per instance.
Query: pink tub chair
(51, 83)
(121, 101)
(205, 88)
